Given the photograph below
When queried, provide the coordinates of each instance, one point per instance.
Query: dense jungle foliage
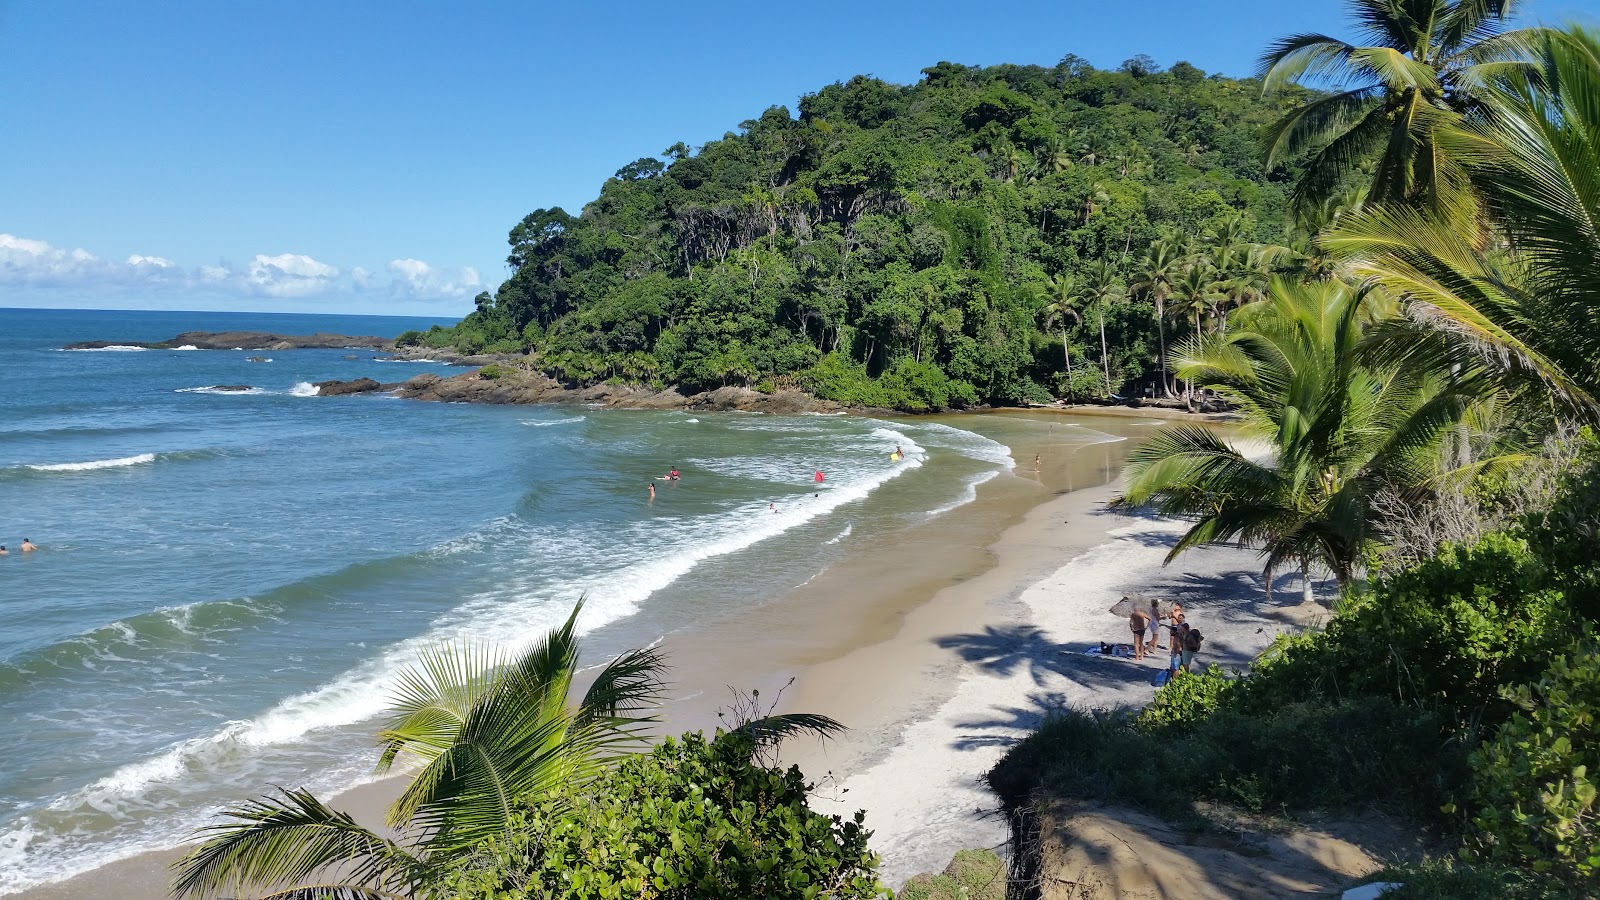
(989, 234)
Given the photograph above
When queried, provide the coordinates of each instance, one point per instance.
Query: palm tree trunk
(1066, 354)
(1306, 593)
(1105, 358)
(1161, 330)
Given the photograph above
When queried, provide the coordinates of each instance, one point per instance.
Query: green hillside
(913, 246)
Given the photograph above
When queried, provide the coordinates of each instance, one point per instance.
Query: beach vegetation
(481, 735)
(1332, 429)
(694, 817)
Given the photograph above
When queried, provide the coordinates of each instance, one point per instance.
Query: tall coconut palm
(1066, 294)
(1528, 310)
(1339, 431)
(1427, 62)
(1103, 290)
(1156, 274)
(484, 730)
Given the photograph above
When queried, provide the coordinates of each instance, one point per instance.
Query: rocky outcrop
(512, 385)
(248, 340)
(232, 388)
(358, 386)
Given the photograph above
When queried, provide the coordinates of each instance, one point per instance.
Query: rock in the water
(248, 340)
(259, 359)
(339, 388)
(232, 387)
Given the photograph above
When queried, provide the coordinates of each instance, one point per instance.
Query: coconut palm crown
(1425, 64)
(1336, 429)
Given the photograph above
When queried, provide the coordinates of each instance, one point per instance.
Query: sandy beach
(938, 647)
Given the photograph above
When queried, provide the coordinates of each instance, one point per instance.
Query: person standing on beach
(1137, 622)
(1191, 645)
(1179, 629)
(1155, 625)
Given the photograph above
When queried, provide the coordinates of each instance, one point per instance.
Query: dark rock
(248, 340)
(517, 385)
(340, 388)
(259, 359)
(232, 387)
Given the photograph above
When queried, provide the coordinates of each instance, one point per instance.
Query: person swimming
(673, 475)
(28, 546)
(4, 551)
(652, 491)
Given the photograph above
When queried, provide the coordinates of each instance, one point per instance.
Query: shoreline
(867, 620)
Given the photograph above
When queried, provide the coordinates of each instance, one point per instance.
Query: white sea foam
(968, 494)
(114, 348)
(96, 464)
(841, 535)
(304, 389)
(540, 423)
(416, 361)
(691, 421)
(213, 389)
(191, 347)
(968, 443)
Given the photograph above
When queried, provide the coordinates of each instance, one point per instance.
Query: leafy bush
(1302, 756)
(1187, 699)
(694, 818)
(408, 339)
(1446, 879)
(1448, 633)
(1534, 784)
(491, 372)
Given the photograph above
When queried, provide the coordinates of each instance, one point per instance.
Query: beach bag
(1191, 641)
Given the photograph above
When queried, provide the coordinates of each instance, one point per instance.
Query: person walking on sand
(1137, 622)
(28, 546)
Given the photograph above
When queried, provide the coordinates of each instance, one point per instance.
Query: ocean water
(228, 581)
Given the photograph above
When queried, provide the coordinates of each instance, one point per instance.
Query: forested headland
(988, 235)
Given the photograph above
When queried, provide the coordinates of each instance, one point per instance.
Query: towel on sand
(1123, 650)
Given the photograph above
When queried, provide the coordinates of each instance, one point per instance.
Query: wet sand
(883, 641)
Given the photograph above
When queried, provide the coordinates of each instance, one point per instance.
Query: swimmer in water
(28, 546)
(4, 551)
(673, 475)
(1036, 462)
(652, 492)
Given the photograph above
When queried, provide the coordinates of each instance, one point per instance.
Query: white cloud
(418, 279)
(290, 275)
(33, 263)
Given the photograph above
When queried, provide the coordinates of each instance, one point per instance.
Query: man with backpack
(1191, 645)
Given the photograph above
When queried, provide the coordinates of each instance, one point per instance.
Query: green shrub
(408, 339)
(1445, 879)
(1534, 784)
(691, 819)
(1448, 633)
(491, 372)
(1301, 756)
(505, 347)
(1187, 699)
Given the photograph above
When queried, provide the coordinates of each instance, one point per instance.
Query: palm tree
(487, 731)
(1103, 290)
(1157, 272)
(1527, 310)
(1339, 431)
(1066, 293)
(1427, 63)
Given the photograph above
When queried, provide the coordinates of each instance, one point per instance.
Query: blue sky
(370, 157)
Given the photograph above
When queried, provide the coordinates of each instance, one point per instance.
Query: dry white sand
(922, 782)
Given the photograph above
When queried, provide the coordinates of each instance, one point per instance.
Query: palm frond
(283, 840)
(1304, 57)
(773, 729)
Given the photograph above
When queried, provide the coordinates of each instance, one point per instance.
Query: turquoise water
(227, 581)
